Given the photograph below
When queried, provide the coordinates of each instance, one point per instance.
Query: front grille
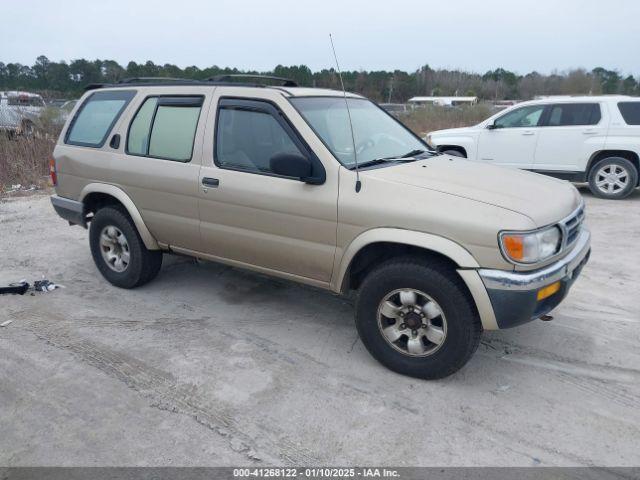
(572, 225)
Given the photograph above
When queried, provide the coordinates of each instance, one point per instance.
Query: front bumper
(513, 295)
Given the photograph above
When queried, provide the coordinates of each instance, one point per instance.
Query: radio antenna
(353, 138)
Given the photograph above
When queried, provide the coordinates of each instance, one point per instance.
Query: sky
(474, 36)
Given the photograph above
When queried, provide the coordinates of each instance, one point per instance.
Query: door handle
(528, 132)
(210, 182)
(589, 132)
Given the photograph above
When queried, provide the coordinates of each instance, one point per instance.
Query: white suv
(594, 139)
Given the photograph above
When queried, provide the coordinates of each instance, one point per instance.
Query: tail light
(52, 171)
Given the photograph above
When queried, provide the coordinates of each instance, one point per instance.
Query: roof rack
(286, 82)
(156, 79)
(217, 80)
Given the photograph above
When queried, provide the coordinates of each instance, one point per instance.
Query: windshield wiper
(407, 157)
(375, 161)
(413, 153)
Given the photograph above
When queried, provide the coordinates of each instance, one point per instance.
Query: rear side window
(165, 128)
(630, 112)
(572, 114)
(96, 117)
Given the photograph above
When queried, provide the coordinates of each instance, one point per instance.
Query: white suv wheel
(613, 177)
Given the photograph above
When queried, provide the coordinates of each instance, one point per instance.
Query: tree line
(68, 79)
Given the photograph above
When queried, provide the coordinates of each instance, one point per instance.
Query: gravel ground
(209, 365)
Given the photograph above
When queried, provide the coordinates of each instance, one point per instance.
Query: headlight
(531, 247)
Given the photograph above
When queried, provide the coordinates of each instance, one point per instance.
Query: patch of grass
(429, 118)
(25, 160)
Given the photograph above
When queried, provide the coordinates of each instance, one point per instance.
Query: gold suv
(322, 188)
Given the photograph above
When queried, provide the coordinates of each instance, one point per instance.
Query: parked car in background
(438, 248)
(20, 112)
(581, 139)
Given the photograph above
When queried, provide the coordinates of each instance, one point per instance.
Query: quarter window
(165, 127)
(630, 112)
(96, 117)
(573, 114)
(246, 139)
(521, 117)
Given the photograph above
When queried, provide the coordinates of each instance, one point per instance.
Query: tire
(613, 178)
(141, 265)
(460, 321)
(454, 153)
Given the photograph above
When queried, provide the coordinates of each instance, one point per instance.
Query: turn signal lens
(548, 291)
(514, 246)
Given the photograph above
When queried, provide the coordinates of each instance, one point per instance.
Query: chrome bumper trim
(507, 280)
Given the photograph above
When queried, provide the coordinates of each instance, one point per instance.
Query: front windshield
(377, 135)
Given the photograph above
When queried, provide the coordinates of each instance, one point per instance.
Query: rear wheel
(613, 178)
(118, 250)
(417, 319)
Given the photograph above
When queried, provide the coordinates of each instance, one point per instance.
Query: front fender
(148, 239)
(467, 265)
(450, 249)
(468, 142)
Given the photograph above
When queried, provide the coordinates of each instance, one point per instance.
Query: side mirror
(291, 165)
(492, 126)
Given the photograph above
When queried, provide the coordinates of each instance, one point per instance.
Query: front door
(248, 214)
(511, 140)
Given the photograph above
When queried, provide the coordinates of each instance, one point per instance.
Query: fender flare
(148, 239)
(450, 249)
(467, 265)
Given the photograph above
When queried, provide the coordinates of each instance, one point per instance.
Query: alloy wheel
(412, 322)
(611, 179)
(114, 248)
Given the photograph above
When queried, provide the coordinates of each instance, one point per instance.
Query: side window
(138, 140)
(573, 114)
(165, 127)
(96, 117)
(246, 139)
(630, 112)
(521, 117)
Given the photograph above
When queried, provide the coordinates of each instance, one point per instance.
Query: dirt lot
(210, 365)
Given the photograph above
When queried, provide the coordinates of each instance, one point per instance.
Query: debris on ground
(5, 324)
(19, 288)
(45, 285)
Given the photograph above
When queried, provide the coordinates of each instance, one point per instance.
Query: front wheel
(613, 178)
(417, 319)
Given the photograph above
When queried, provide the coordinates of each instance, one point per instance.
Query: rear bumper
(513, 295)
(71, 210)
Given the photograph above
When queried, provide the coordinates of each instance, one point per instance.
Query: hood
(452, 131)
(543, 199)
